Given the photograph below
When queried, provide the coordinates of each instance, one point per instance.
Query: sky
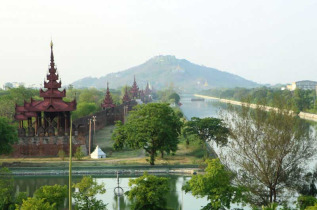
(271, 41)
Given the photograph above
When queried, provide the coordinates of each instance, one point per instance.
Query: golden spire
(51, 43)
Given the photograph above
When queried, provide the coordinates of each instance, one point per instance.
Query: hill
(161, 71)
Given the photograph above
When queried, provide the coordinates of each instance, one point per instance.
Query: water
(201, 109)
(175, 198)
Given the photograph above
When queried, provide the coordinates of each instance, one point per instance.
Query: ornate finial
(52, 55)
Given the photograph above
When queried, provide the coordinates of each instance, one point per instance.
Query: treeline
(301, 100)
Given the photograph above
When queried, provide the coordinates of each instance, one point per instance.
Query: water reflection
(175, 198)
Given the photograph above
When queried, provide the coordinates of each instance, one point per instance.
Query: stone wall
(45, 146)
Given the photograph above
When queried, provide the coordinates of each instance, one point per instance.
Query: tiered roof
(147, 89)
(108, 102)
(53, 97)
(126, 97)
(134, 90)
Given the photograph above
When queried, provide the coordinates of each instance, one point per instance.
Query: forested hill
(161, 71)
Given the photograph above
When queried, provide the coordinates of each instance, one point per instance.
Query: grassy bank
(185, 155)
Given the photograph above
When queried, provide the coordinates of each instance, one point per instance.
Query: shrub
(79, 153)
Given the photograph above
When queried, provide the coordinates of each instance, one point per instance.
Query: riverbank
(110, 170)
(303, 115)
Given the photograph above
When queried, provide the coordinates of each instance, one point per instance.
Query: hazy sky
(267, 41)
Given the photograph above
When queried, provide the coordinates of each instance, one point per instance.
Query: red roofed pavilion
(52, 114)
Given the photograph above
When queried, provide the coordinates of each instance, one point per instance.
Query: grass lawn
(186, 154)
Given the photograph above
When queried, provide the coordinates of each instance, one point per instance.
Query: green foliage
(8, 136)
(84, 109)
(12, 96)
(85, 194)
(302, 100)
(55, 194)
(148, 192)
(216, 185)
(262, 143)
(305, 201)
(6, 188)
(36, 204)
(79, 153)
(153, 127)
(119, 135)
(312, 207)
(208, 129)
(61, 154)
(175, 97)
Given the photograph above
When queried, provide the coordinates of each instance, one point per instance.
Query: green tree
(36, 204)
(305, 201)
(8, 136)
(61, 154)
(207, 129)
(119, 136)
(79, 153)
(175, 97)
(154, 127)
(267, 148)
(148, 192)
(216, 185)
(55, 194)
(8, 200)
(85, 194)
(84, 109)
(6, 188)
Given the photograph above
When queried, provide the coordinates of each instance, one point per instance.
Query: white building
(97, 153)
(304, 84)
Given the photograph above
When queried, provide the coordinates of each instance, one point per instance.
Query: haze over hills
(161, 71)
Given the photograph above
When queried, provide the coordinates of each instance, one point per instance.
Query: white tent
(97, 153)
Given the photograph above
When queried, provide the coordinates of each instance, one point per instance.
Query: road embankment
(129, 170)
(303, 115)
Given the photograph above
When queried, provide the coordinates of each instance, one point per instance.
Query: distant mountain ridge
(164, 70)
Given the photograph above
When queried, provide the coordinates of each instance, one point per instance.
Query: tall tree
(267, 148)
(85, 194)
(154, 127)
(208, 129)
(8, 136)
(216, 185)
(55, 194)
(148, 192)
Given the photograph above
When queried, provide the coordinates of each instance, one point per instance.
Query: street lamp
(118, 191)
(89, 137)
(94, 120)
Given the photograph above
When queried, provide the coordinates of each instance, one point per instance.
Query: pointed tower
(52, 115)
(107, 102)
(126, 97)
(147, 89)
(52, 85)
(134, 90)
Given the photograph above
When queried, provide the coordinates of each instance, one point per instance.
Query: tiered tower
(126, 97)
(135, 90)
(52, 114)
(107, 102)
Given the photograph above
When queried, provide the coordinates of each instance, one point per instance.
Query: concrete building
(304, 84)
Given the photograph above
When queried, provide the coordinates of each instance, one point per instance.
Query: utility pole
(89, 138)
(93, 139)
(70, 166)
